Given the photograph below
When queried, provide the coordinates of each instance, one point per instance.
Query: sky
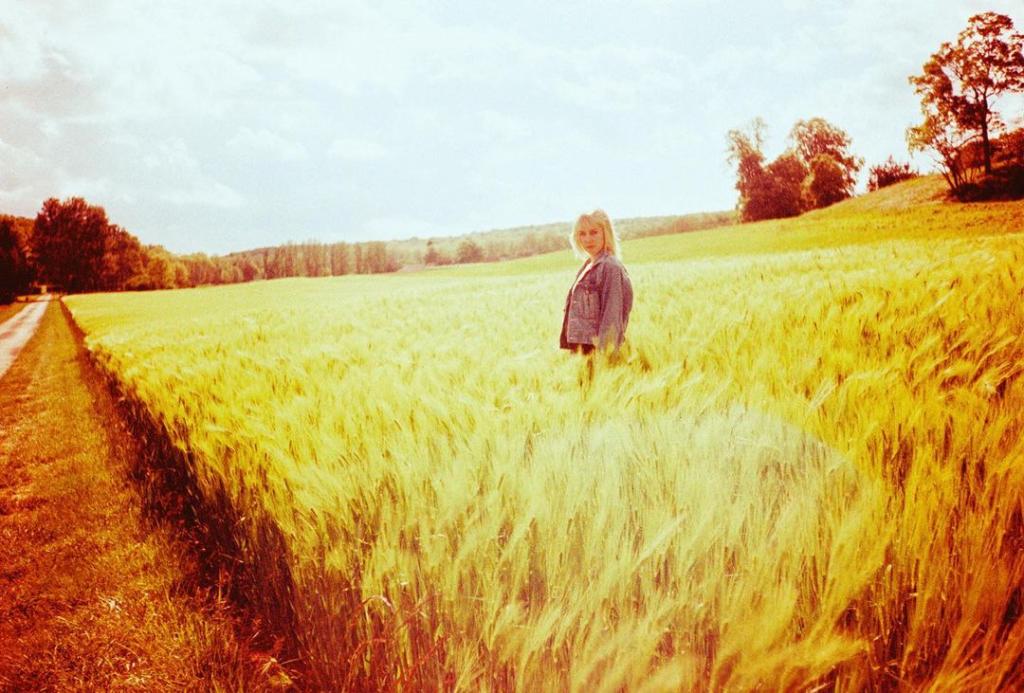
(220, 125)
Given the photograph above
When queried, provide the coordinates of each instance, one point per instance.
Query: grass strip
(93, 594)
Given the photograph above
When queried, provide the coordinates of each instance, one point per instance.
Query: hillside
(521, 240)
(916, 192)
(914, 209)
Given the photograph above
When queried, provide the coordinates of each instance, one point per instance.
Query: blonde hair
(600, 219)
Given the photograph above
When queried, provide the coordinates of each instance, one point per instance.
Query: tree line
(958, 89)
(72, 246)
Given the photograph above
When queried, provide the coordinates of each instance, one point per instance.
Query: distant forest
(72, 246)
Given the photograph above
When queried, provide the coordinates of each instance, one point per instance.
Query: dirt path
(92, 595)
(14, 333)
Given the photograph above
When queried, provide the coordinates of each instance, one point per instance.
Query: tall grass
(805, 470)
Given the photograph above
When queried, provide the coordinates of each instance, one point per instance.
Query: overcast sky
(215, 125)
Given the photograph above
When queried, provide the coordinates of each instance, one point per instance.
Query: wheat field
(803, 472)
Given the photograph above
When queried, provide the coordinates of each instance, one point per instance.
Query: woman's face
(591, 239)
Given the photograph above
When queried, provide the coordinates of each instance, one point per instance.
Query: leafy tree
(160, 271)
(469, 251)
(826, 184)
(745, 152)
(249, 268)
(376, 258)
(287, 260)
(315, 259)
(69, 242)
(15, 273)
(180, 272)
(229, 272)
(958, 88)
(201, 269)
(123, 260)
(887, 173)
(340, 259)
(816, 171)
(766, 192)
(1010, 148)
(940, 135)
(816, 138)
(275, 262)
(433, 256)
(784, 193)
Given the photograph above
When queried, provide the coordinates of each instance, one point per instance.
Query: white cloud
(204, 194)
(384, 228)
(101, 190)
(504, 126)
(25, 179)
(350, 149)
(21, 53)
(173, 174)
(171, 156)
(266, 143)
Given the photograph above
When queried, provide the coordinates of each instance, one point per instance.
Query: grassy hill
(531, 239)
(914, 209)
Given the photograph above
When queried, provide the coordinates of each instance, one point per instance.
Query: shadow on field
(218, 538)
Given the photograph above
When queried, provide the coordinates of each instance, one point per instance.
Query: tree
(228, 271)
(940, 134)
(469, 251)
(249, 269)
(315, 259)
(888, 173)
(433, 256)
(745, 153)
(826, 184)
(766, 192)
(374, 255)
(69, 242)
(201, 269)
(376, 258)
(289, 260)
(274, 263)
(959, 86)
(340, 259)
(123, 261)
(358, 260)
(783, 194)
(15, 273)
(160, 271)
(816, 171)
(816, 138)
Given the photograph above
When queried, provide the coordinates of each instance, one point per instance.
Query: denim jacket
(597, 307)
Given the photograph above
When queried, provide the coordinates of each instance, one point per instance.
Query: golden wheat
(804, 470)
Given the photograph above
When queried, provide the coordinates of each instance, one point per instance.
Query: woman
(597, 307)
